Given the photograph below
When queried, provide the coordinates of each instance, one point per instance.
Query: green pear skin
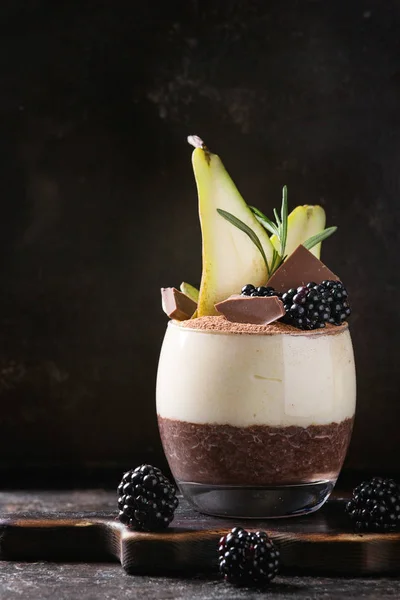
(303, 222)
(230, 259)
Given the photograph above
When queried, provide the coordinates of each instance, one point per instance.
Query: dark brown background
(99, 205)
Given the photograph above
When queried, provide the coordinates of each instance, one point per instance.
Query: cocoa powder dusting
(221, 324)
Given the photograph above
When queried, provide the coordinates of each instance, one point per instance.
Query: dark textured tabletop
(40, 581)
(45, 580)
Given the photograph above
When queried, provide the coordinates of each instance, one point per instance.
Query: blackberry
(248, 558)
(146, 499)
(306, 307)
(313, 305)
(375, 506)
(337, 297)
(250, 290)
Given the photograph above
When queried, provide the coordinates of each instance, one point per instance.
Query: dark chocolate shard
(177, 305)
(251, 309)
(298, 269)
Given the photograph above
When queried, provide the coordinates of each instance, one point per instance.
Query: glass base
(257, 502)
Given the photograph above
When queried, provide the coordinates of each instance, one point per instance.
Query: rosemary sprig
(265, 222)
(284, 222)
(319, 237)
(276, 260)
(279, 229)
(248, 231)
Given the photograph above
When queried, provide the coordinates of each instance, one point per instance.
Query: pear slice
(303, 222)
(230, 259)
(190, 291)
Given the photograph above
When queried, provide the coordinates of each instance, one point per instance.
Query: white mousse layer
(276, 380)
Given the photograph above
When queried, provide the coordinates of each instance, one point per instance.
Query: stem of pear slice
(196, 141)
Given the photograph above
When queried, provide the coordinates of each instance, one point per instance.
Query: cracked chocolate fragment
(177, 305)
(258, 310)
(300, 267)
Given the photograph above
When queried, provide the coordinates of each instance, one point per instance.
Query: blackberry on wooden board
(375, 506)
(248, 559)
(146, 499)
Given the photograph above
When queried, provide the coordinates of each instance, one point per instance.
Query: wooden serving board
(321, 542)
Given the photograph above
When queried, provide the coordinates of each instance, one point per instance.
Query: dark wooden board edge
(56, 539)
(184, 549)
(340, 554)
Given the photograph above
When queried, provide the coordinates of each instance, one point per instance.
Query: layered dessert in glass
(256, 382)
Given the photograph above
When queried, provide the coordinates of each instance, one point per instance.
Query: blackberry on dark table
(246, 558)
(375, 506)
(146, 499)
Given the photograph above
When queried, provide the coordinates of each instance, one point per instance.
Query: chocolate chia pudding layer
(257, 455)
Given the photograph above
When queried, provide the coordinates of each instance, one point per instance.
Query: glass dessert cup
(256, 424)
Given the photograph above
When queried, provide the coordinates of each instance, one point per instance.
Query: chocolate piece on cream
(177, 305)
(251, 309)
(298, 269)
